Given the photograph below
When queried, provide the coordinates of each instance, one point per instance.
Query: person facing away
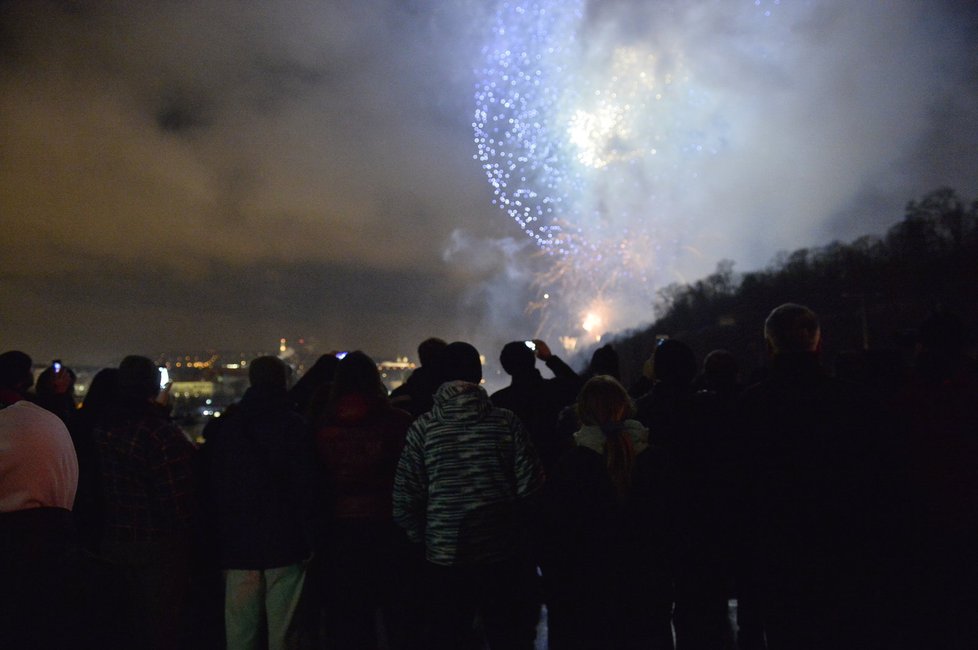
(536, 401)
(805, 439)
(16, 376)
(604, 361)
(605, 583)
(310, 394)
(463, 480)
(54, 390)
(261, 482)
(359, 445)
(42, 603)
(695, 430)
(100, 398)
(416, 395)
(147, 486)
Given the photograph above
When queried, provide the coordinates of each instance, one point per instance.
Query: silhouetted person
(147, 483)
(54, 391)
(262, 485)
(416, 395)
(694, 428)
(359, 444)
(720, 374)
(16, 377)
(535, 400)
(89, 511)
(604, 361)
(311, 392)
(805, 439)
(466, 472)
(39, 581)
(606, 584)
(662, 408)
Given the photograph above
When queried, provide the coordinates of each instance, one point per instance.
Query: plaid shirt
(147, 478)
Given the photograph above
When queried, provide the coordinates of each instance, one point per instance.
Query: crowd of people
(332, 514)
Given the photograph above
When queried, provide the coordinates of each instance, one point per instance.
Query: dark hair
(430, 349)
(604, 402)
(15, 370)
(516, 358)
(101, 396)
(269, 371)
(308, 393)
(792, 328)
(461, 361)
(357, 373)
(674, 362)
(139, 379)
(604, 361)
(720, 369)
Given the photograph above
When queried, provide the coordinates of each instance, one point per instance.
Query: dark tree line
(870, 293)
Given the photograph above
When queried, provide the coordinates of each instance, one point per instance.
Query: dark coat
(262, 482)
(606, 561)
(416, 395)
(807, 441)
(537, 402)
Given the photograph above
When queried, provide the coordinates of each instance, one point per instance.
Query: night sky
(194, 175)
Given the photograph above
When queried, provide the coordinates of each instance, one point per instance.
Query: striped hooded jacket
(465, 468)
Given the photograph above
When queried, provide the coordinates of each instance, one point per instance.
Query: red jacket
(360, 445)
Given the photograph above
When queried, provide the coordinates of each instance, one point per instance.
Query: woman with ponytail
(602, 576)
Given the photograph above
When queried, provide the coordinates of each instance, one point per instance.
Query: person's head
(321, 372)
(139, 379)
(720, 369)
(603, 400)
(15, 371)
(269, 372)
(673, 362)
(51, 382)
(102, 393)
(792, 328)
(605, 361)
(429, 350)
(517, 358)
(605, 403)
(461, 361)
(357, 374)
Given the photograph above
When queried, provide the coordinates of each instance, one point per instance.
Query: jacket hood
(593, 437)
(461, 400)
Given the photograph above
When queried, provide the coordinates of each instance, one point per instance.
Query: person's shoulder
(501, 395)
(398, 416)
(26, 416)
(26, 409)
(504, 414)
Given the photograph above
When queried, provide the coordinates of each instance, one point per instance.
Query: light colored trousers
(250, 596)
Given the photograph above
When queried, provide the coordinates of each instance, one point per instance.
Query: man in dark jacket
(416, 395)
(536, 401)
(806, 438)
(146, 467)
(262, 480)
